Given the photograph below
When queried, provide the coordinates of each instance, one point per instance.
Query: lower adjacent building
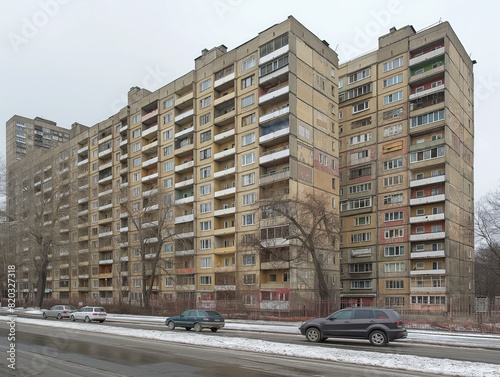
(180, 195)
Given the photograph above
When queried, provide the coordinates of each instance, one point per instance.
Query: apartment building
(181, 171)
(407, 201)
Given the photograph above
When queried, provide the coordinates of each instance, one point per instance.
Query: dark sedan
(197, 319)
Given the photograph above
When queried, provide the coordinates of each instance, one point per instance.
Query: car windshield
(70, 308)
(99, 310)
(344, 314)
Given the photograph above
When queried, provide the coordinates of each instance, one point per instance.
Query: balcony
(106, 261)
(224, 82)
(428, 218)
(427, 254)
(425, 93)
(224, 98)
(426, 76)
(184, 101)
(224, 231)
(427, 200)
(224, 136)
(151, 192)
(225, 250)
(105, 179)
(427, 289)
(184, 219)
(224, 212)
(427, 236)
(275, 115)
(150, 176)
(276, 265)
(185, 117)
(183, 184)
(267, 179)
(225, 154)
(184, 132)
(275, 156)
(226, 172)
(184, 235)
(149, 117)
(83, 162)
(150, 133)
(280, 75)
(427, 181)
(275, 137)
(185, 200)
(105, 153)
(274, 96)
(225, 193)
(184, 166)
(83, 149)
(151, 161)
(430, 55)
(273, 55)
(224, 117)
(427, 272)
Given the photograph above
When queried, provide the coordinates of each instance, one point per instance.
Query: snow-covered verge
(395, 361)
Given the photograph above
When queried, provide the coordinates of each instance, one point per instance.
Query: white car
(89, 314)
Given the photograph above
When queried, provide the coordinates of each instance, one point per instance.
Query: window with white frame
(352, 204)
(393, 198)
(393, 180)
(168, 134)
(248, 159)
(205, 84)
(393, 216)
(205, 153)
(168, 150)
(205, 102)
(393, 130)
(361, 284)
(357, 76)
(393, 64)
(248, 139)
(428, 154)
(248, 100)
(206, 207)
(248, 260)
(205, 172)
(363, 187)
(395, 267)
(168, 118)
(206, 262)
(168, 103)
(363, 138)
(393, 80)
(393, 97)
(248, 199)
(248, 63)
(205, 118)
(394, 233)
(248, 179)
(205, 225)
(247, 81)
(205, 244)
(168, 166)
(362, 106)
(205, 189)
(393, 251)
(393, 164)
(205, 280)
(363, 220)
(361, 237)
(248, 219)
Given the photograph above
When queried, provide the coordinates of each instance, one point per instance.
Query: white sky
(308, 350)
(75, 60)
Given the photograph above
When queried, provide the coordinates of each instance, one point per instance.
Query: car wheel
(313, 334)
(197, 327)
(214, 329)
(188, 328)
(378, 338)
(171, 325)
(72, 318)
(59, 316)
(87, 319)
(44, 315)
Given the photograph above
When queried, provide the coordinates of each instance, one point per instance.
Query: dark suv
(378, 325)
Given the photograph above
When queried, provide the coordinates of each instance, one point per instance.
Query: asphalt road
(43, 351)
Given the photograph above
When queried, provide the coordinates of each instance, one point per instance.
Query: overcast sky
(75, 60)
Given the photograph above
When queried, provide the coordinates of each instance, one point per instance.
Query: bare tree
(487, 229)
(40, 211)
(152, 221)
(311, 227)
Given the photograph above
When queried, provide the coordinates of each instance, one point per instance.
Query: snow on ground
(395, 361)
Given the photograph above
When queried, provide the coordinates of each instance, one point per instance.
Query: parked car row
(378, 325)
(86, 314)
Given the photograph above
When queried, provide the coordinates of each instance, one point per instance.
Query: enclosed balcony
(275, 94)
(427, 56)
(427, 254)
(427, 218)
(224, 113)
(224, 79)
(427, 272)
(274, 116)
(274, 134)
(427, 199)
(150, 117)
(427, 92)
(427, 236)
(427, 181)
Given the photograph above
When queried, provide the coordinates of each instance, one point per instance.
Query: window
(168, 150)
(248, 159)
(205, 136)
(248, 139)
(393, 164)
(205, 225)
(362, 171)
(248, 63)
(136, 162)
(273, 65)
(205, 244)
(364, 220)
(204, 119)
(205, 85)
(248, 199)
(204, 102)
(393, 180)
(168, 248)
(360, 188)
(427, 154)
(205, 189)
(392, 251)
(273, 45)
(168, 118)
(168, 134)
(206, 262)
(248, 100)
(393, 97)
(394, 267)
(360, 107)
(249, 279)
(395, 198)
(357, 76)
(136, 132)
(393, 80)
(248, 219)
(424, 119)
(395, 129)
(393, 216)
(394, 233)
(393, 64)
(205, 280)
(206, 207)
(361, 284)
(361, 237)
(168, 103)
(394, 284)
(248, 259)
(247, 81)
(168, 166)
(249, 119)
(205, 172)
(356, 92)
(248, 179)
(352, 204)
(136, 118)
(359, 139)
(437, 265)
(206, 153)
